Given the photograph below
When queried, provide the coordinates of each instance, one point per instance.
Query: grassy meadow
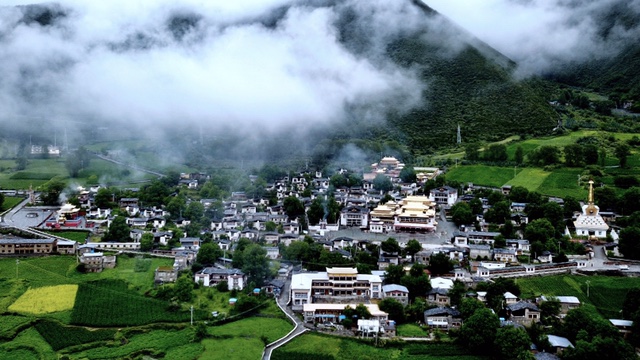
(47, 299)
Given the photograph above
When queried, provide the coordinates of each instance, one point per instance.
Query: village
(389, 244)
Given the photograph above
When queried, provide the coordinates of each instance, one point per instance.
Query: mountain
(445, 78)
(467, 83)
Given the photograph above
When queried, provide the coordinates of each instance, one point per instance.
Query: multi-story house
(209, 276)
(336, 285)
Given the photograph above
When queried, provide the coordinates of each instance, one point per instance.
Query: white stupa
(590, 223)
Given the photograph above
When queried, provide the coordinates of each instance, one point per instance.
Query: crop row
(107, 303)
(60, 336)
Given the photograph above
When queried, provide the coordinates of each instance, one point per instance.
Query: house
(337, 284)
(366, 327)
(521, 246)
(509, 298)
(445, 195)
(505, 255)
(97, 261)
(273, 252)
(271, 238)
(332, 312)
(479, 251)
(482, 237)
(397, 292)
(19, 246)
(209, 276)
(438, 296)
(190, 243)
(624, 326)
(559, 343)
(165, 274)
(566, 303)
(354, 216)
(443, 318)
(523, 313)
(274, 287)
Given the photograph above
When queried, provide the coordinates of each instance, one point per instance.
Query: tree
(461, 214)
(499, 212)
(413, 246)
(476, 206)
(104, 198)
(621, 151)
(183, 289)
(78, 160)
(208, 253)
(382, 183)
(590, 153)
(631, 303)
(417, 282)
(394, 308)
(539, 230)
(550, 309)
(519, 155)
(194, 211)
(512, 343)
(496, 152)
(456, 293)
(478, 333)
(52, 191)
(468, 307)
(293, 207)
(439, 264)
(545, 155)
(390, 246)
(519, 194)
(393, 274)
(573, 155)
(255, 264)
(1, 200)
(316, 210)
(146, 242)
(408, 175)
(472, 151)
(629, 243)
(118, 231)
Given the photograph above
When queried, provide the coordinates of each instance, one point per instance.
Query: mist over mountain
(259, 78)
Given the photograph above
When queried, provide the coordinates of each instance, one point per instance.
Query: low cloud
(259, 66)
(545, 35)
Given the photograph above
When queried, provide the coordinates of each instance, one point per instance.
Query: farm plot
(27, 345)
(481, 174)
(11, 325)
(60, 336)
(530, 178)
(107, 303)
(46, 300)
(154, 343)
(562, 183)
(255, 327)
(315, 346)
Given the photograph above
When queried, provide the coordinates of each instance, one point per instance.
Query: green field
(114, 317)
(530, 178)
(563, 183)
(606, 294)
(495, 176)
(10, 201)
(79, 236)
(313, 346)
(411, 330)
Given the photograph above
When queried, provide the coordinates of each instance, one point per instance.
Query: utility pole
(587, 282)
(17, 262)
(191, 315)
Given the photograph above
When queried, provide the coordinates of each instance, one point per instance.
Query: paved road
(299, 328)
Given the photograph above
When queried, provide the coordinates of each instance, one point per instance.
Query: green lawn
(411, 330)
(482, 175)
(605, 293)
(79, 236)
(10, 201)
